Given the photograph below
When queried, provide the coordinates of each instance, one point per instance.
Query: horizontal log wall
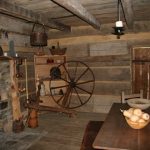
(107, 56)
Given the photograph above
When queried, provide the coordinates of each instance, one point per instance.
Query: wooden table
(116, 134)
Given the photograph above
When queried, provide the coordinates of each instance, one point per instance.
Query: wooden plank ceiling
(64, 14)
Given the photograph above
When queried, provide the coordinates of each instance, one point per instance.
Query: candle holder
(19, 61)
(118, 31)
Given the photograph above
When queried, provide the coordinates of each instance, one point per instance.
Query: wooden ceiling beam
(28, 15)
(77, 9)
(128, 12)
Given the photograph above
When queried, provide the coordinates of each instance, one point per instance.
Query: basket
(58, 51)
(137, 125)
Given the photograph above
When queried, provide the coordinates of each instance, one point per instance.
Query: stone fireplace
(6, 118)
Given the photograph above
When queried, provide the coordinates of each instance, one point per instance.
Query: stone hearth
(5, 98)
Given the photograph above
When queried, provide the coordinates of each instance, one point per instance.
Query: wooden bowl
(139, 103)
(137, 125)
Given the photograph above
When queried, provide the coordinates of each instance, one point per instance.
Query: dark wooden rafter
(128, 12)
(28, 15)
(77, 9)
(61, 26)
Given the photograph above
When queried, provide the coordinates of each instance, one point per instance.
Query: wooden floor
(63, 133)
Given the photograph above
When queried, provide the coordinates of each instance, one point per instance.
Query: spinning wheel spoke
(76, 70)
(70, 95)
(59, 100)
(67, 71)
(82, 74)
(58, 87)
(84, 82)
(78, 96)
(84, 90)
(66, 96)
(64, 79)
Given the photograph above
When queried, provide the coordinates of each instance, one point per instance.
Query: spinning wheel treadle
(77, 85)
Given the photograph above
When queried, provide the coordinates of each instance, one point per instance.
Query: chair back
(125, 97)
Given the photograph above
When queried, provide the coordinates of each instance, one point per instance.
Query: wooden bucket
(33, 118)
(38, 38)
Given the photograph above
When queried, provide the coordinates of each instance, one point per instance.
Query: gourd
(137, 112)
(136, 115)
(134, 118)
(141, 120)
(145, 116)
(127, 113)
(131, 110)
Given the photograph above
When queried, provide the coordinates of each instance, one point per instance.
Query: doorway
(141, 70)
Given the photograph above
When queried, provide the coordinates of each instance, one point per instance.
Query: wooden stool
(90, 134)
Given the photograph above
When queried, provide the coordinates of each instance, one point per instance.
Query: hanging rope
(120, 2)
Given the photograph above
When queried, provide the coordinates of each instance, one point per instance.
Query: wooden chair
(129, 96)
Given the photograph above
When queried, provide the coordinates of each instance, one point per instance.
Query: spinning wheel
(74, 87)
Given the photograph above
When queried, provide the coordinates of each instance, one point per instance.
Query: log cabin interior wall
(141, 70)
(110, 60)
(108, 57)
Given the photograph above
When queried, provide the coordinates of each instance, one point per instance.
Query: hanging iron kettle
(38, 38)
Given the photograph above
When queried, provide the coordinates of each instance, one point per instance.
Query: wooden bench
(90, 133)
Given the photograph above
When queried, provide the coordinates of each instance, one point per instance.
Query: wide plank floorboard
(63, 132)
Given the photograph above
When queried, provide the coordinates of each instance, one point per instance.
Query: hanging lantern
(118, 29)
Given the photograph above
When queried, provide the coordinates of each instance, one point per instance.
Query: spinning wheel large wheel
(74, 87)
